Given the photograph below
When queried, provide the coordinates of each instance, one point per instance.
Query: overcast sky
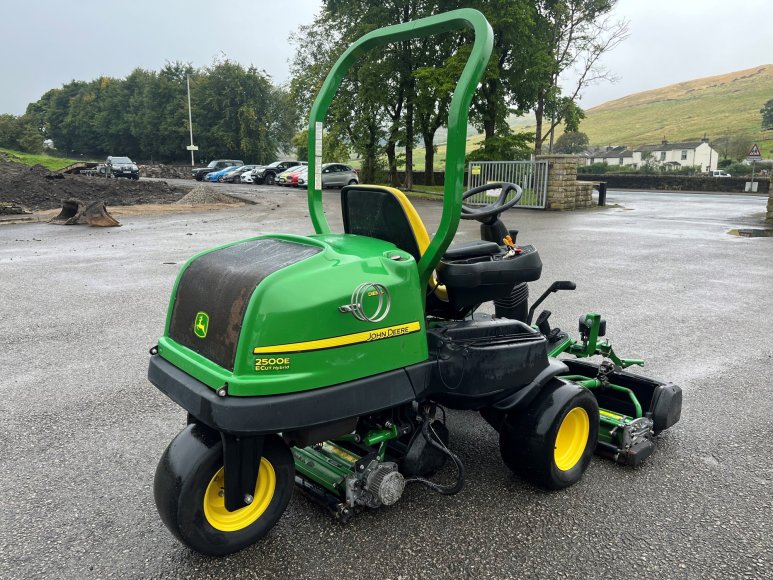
(46, 43)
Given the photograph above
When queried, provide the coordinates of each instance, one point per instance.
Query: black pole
(603, 193)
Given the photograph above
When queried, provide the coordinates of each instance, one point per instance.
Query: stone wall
(166, 171)
(583, 196)
(646, 182)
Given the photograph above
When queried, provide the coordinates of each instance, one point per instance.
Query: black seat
(468, 275)
(386, 214)
(474, 249)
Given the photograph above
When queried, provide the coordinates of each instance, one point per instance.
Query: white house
(669, 155)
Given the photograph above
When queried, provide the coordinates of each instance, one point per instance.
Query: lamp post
(192, 147)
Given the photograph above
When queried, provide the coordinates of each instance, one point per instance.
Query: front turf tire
(552, 441)
(270, 179)
(186, 490)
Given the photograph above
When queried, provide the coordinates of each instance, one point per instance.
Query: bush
(736, 169)
(595, 168)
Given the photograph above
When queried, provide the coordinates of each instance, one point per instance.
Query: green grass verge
(49, 162)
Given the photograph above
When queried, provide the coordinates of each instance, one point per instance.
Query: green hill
(724, 105)
(721, 106)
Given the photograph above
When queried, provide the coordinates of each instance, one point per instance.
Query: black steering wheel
(491, 212)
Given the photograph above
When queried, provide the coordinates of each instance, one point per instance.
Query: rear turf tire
(551, 442)
(187, 485)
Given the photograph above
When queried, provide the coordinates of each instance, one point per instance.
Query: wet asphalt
(81, 429)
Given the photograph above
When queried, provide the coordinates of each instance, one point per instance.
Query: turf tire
(185, 471)
(527, 437)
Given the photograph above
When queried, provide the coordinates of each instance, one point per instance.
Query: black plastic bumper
(279, 413)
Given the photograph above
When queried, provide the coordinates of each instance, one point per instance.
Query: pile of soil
(205, 194)
(37, 188)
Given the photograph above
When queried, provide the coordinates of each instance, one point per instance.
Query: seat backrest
(384, 213)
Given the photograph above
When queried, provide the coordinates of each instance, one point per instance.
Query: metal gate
(532, 176)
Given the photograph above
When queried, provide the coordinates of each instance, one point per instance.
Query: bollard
(602, 193)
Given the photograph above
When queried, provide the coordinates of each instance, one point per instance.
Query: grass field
(49, 162)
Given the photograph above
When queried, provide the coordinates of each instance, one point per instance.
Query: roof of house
(612, 152)
(669, 146)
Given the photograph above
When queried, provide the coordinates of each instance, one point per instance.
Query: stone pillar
(769, 215)
(562, 181)
(583, 196)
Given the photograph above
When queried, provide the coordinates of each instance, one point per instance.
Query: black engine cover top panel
(220, 285)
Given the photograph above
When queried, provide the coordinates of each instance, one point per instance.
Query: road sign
(196, 147)
(754, 154)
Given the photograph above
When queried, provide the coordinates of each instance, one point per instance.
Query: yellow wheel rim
(571, 439)
(225, 521)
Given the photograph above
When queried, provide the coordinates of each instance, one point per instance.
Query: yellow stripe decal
(610, 415)
(345, 340)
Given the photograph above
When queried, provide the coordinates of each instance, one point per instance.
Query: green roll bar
(457, 117)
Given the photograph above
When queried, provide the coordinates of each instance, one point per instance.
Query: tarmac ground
(81, 428)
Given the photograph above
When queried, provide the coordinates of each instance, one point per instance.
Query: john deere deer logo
(201, 324)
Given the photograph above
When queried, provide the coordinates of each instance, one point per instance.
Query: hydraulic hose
(438, 444)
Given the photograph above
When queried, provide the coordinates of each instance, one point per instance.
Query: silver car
(334, 175)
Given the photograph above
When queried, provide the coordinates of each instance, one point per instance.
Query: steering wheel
(489, 213)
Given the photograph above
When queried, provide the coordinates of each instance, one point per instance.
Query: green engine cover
(277, 314)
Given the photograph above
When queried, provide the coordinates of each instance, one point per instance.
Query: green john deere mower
(324, 362)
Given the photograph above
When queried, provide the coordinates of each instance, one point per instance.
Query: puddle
(751, 233)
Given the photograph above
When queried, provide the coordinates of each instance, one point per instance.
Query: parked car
(269, 173)
(199, 173)
(236, 176)
(719, 173)
(286, 177)
(297, 175)
(120, 167)
(249, 176)
(215, 176)
(334, 175)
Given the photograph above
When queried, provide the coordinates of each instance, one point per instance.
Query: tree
(505, 146)
(411, 82)
(573, 35)
(511, 81)
(237, 113)
(20, 133)
(767, 115)
(30, 139)
(434, 88)
(356, 115)
(571, 142)
(734, 147)
(333, 149)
